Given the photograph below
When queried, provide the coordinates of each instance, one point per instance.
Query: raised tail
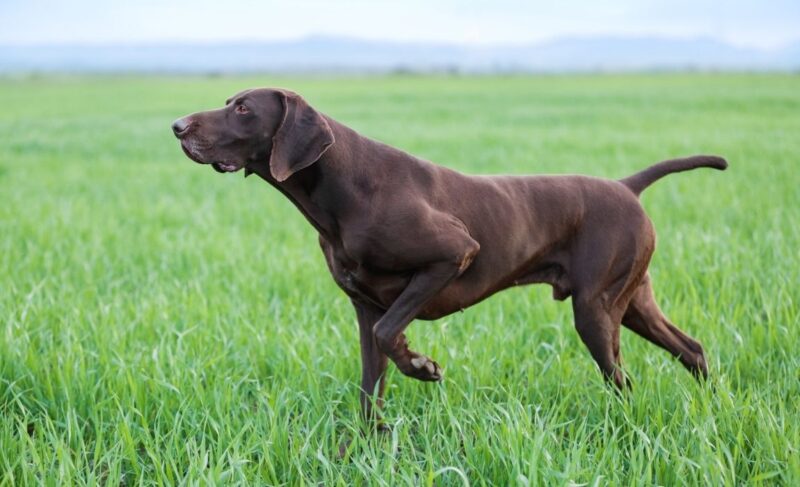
(641, 180)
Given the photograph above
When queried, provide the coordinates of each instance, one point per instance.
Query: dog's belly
(478, 282)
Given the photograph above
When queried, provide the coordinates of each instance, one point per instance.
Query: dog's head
(260, 125)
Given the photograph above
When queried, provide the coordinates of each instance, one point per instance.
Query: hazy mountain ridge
(325, 53)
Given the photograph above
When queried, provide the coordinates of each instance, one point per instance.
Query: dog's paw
(423, 368)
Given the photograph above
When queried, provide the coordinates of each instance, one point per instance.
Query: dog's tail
(641, 180)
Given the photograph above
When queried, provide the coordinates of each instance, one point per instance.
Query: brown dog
(406, 239)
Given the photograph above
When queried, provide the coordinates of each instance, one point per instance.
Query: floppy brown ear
(301, 138)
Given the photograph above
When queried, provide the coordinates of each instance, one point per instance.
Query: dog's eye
(241, 109)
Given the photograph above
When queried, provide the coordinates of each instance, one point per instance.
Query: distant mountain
(330, 54)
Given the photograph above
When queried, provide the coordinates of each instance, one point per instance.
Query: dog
(407, 239)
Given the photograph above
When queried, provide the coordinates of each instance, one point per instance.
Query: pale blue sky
(767, 23)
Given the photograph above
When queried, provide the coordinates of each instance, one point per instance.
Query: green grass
(164, 324)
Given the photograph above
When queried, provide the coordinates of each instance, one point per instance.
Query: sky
(763, 24)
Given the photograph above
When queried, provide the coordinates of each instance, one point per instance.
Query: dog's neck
(338, 167)
(298, 193)
(299, 188)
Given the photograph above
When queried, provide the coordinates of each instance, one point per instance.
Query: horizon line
(431, 42)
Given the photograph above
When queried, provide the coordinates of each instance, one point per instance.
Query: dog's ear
(301, 138)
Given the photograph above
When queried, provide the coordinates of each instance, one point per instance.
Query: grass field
(164, 324)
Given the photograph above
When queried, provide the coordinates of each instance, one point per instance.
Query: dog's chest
(361, 282)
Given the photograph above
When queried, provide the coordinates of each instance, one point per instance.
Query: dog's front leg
(425, 284)
(373, 362)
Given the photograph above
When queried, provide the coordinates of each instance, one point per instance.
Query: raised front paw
(422, 368)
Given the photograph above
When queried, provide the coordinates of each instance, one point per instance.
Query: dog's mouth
(219, 166)
(225, 167)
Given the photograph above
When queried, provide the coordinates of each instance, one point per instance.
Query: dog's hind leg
(644, 317)
(600, 333)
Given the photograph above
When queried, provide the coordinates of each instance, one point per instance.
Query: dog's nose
(181, 126)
